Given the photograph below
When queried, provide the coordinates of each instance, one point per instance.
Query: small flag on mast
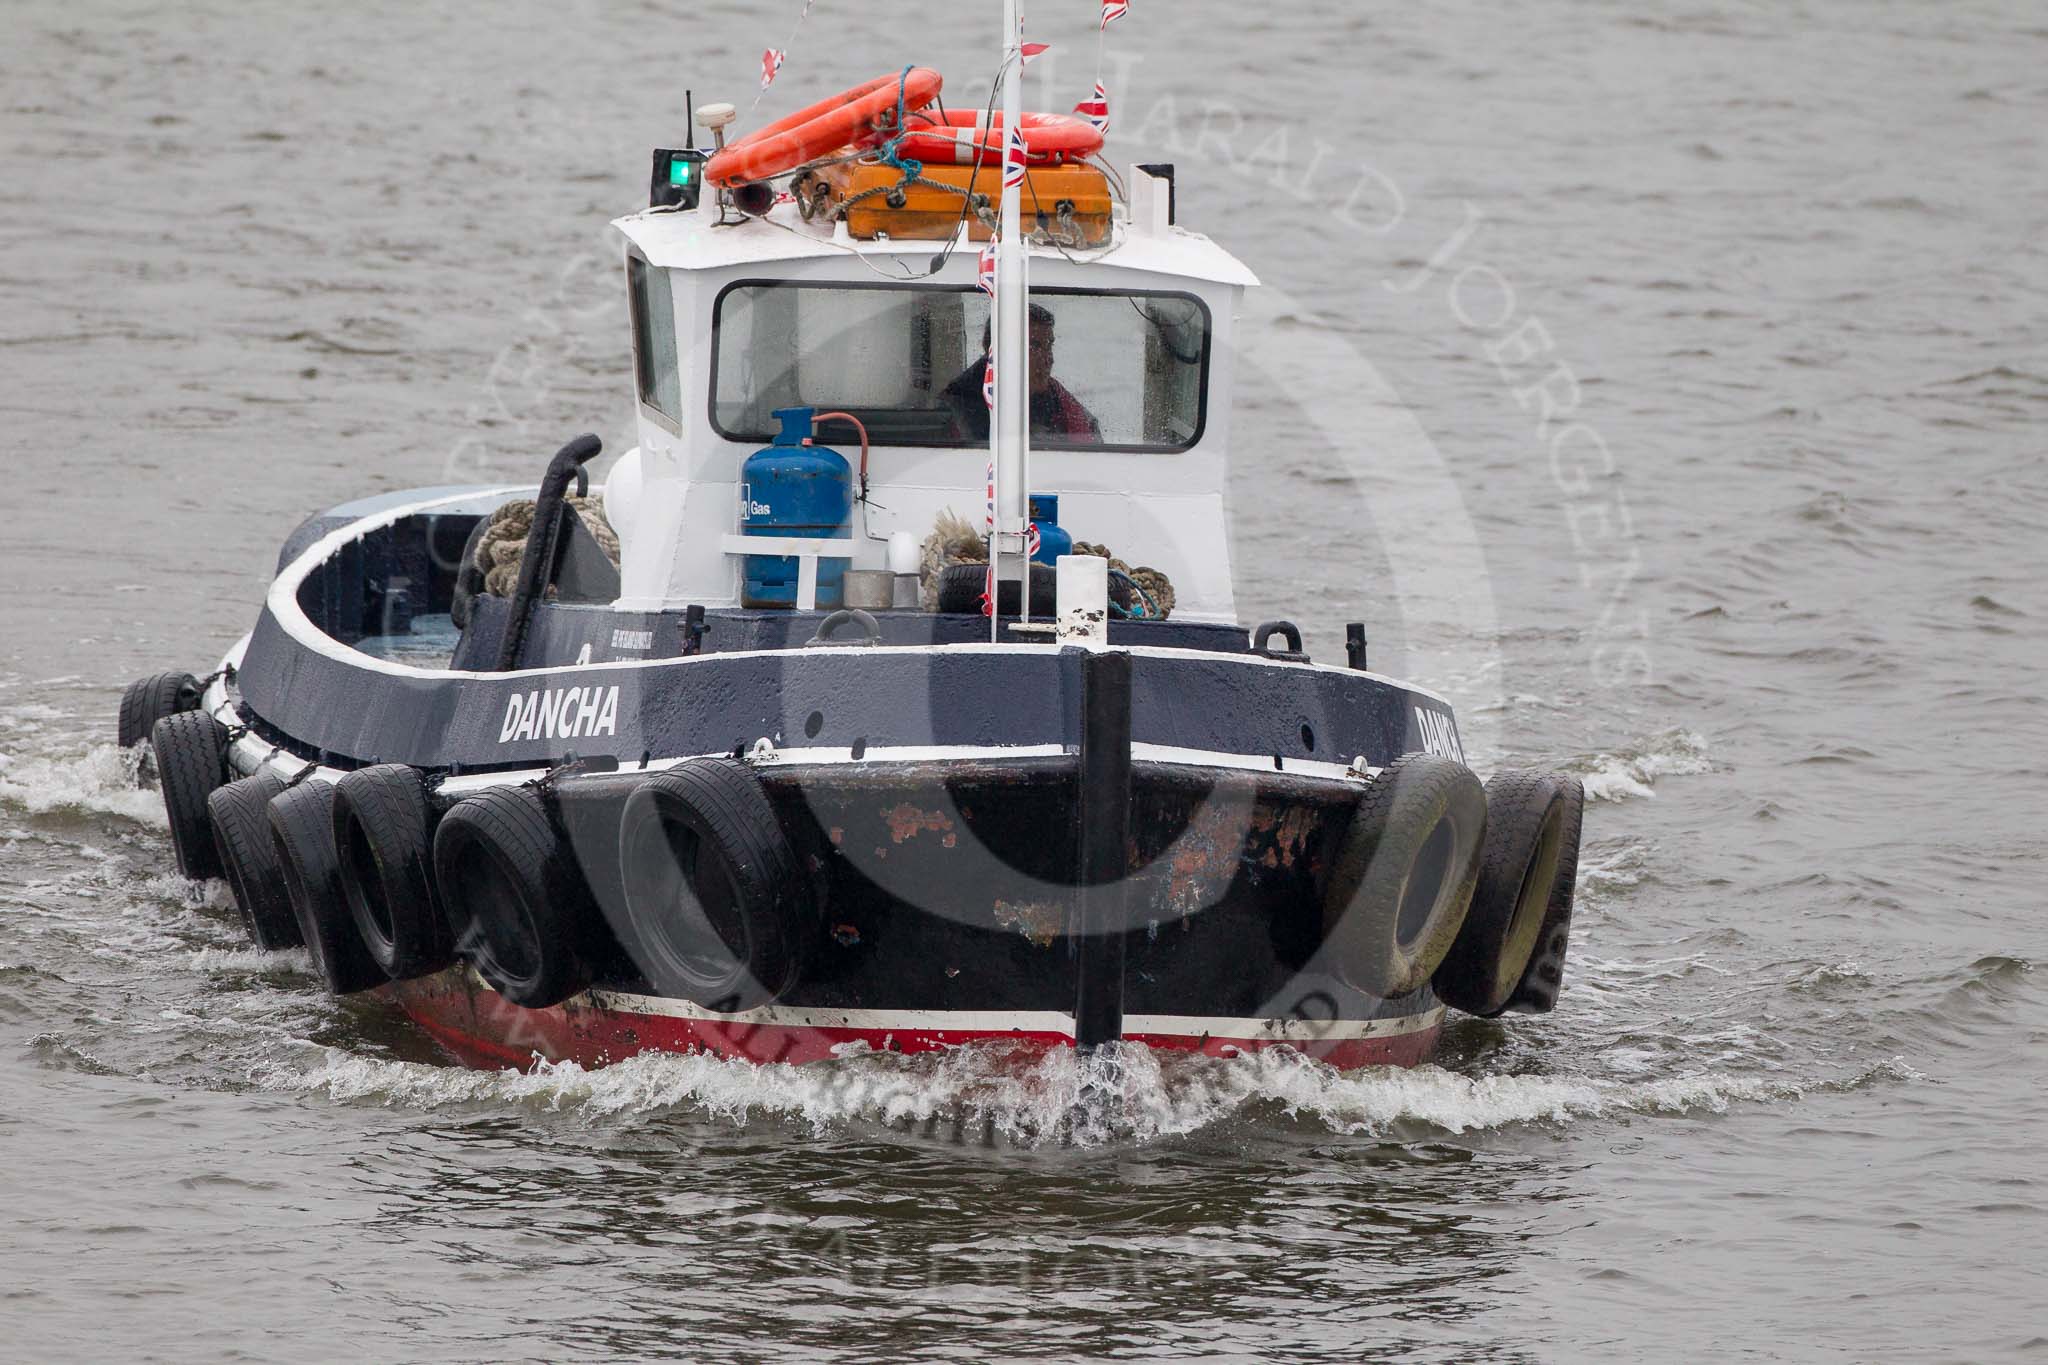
(1096, 110)
(1030, 50)
(985, 272)
(771, 62)
(988, 578)
(1113, 10)
(1014, 159)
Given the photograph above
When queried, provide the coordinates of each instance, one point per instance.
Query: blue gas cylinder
(792, 489)
(1052, 541)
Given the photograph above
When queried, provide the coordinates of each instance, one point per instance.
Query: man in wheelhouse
(1055, 411)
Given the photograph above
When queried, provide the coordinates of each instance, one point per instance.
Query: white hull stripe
(251, 753)
(1024, 1021)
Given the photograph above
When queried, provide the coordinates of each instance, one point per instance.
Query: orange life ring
(823, 127)
(964, 136)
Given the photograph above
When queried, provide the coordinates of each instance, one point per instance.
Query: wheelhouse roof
(694, 240)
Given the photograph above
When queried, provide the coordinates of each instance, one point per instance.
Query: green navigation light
(674, 178)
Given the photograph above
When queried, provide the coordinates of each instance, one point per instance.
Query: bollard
(1104, 811)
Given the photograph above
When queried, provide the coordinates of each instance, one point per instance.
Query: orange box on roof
(1056, 198)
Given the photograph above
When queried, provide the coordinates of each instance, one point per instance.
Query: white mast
(1010, 432)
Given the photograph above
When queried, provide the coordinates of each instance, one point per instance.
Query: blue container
(1052, 541)
(791, 489)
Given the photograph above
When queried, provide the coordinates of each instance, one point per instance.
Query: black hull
(949, 886)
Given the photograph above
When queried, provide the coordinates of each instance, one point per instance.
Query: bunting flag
(1030, 50)
(1096, 110)
(1113, 10)
(985, 280)
(1014, 160)
(988, 578)
(772, 58)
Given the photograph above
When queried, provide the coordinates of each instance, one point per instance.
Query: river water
(1761, 562)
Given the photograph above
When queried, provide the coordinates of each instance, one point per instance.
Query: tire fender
(383, 839)
(1404, 873)
(248, 859)
(302, 831)
(514, 899)
(149, 700)
(719, 909)
(1541, 982)
(1525, 831)
(191, 762)
(960, 589)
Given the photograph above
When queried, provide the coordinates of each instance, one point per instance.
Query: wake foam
(249, 960)
(1127, 1093)
(101, 780)
(1632, 772)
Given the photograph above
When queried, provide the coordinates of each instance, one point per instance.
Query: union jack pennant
(1113, 10)
(1014, 160)
(985, 273)
(771, 62)
(988, 578)
(1029, 50)
(1096, 110)
(988, 396)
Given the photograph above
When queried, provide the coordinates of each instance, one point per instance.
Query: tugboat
(773, 750)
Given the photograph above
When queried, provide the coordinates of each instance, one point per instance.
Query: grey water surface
(1723, 329)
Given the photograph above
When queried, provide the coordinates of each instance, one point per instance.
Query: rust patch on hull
(907, 822)
(1039, 921)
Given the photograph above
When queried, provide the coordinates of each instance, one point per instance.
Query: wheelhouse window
(1123, 370)
(654, 340)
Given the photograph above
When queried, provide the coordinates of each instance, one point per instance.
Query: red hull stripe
(484, 1029)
